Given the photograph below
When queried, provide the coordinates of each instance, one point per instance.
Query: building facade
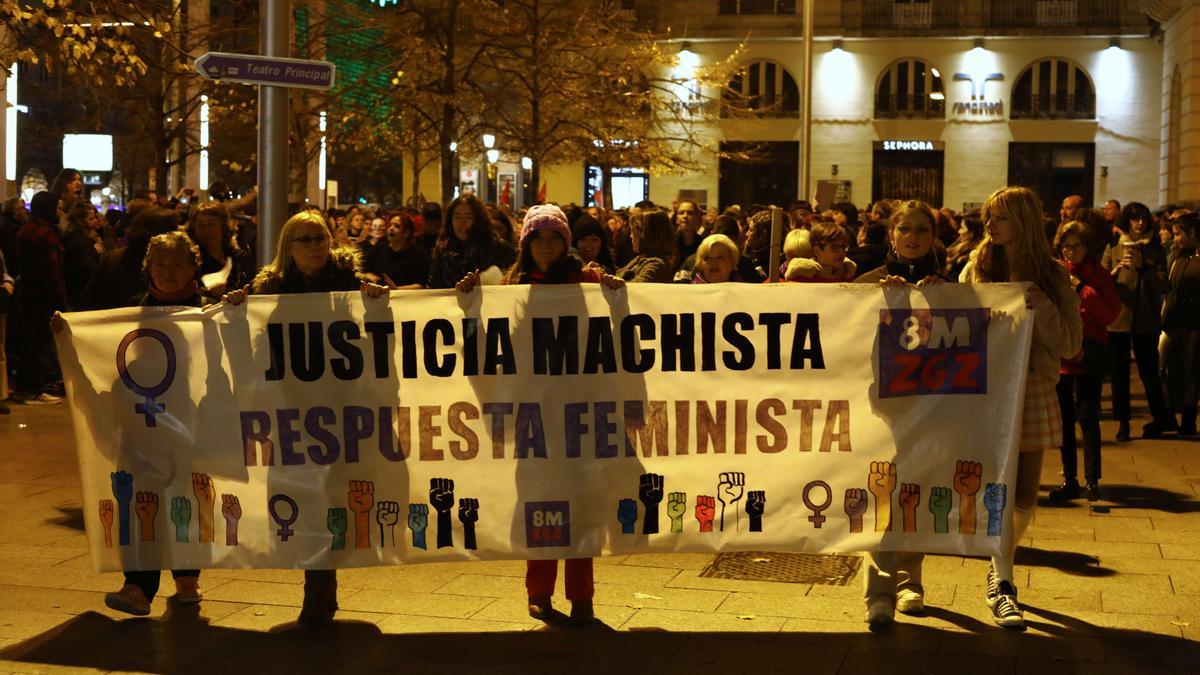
(940, 100)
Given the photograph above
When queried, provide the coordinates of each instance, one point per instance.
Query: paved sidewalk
(1112, 589)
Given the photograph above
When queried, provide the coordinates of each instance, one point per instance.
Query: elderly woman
(306, 262)
(716, 261)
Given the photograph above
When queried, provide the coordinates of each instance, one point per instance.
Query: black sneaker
(1092, 491)
(1066, 492)
(993, 587)
(1153, 430)
(1005, 610)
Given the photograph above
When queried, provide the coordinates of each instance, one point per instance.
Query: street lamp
(489, 141)
(493, 156)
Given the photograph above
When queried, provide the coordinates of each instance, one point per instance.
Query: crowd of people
(1108, 285)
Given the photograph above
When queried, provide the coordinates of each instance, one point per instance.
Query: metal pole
(272, 133)
(806, 102)
(776, 243)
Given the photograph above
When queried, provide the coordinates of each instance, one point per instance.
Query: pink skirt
(1041, 425)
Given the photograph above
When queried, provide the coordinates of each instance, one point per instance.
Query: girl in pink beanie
(544, 259)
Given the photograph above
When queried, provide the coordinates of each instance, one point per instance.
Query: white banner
(331, 430)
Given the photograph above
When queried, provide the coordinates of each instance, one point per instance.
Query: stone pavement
(1111, 589)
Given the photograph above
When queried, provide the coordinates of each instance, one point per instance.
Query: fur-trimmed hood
(342, 272)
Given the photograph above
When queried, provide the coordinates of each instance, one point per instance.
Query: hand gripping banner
(333, 430)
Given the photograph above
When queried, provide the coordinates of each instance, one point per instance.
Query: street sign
(266, 70)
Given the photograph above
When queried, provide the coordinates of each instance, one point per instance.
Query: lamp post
(806, 105)
(526, 167)
(489, 143)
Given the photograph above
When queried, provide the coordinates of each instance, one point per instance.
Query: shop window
(630, 185)
(761, 89)
(910, 88)
(1053, 89)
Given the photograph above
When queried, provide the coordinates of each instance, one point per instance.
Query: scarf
(188, 291)
(912, 270)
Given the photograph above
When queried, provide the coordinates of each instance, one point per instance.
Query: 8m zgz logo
(932, 351)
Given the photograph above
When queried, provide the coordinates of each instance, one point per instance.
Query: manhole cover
(788, 568)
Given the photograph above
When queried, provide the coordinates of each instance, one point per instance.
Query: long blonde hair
(1031, 259)
(283, 256)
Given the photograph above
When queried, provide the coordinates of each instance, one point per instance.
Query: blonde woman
(307, 262)
(1014, 248)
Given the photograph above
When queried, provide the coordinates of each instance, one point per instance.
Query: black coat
(456, 260)
(80, 261)
(341, 273)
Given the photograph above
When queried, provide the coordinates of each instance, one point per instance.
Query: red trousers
(541, 574)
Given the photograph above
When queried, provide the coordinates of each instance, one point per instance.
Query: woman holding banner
(1014, 248)
(893, 578)
(306, 262)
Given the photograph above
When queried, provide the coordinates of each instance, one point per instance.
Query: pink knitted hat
(545, 217)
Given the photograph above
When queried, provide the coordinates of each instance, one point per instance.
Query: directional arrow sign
(268, 70)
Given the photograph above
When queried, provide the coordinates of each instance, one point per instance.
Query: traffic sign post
(266, 70)
(274, 73)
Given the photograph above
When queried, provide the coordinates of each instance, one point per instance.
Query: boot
(1187, 423)
(540, 607)
(1066, 492)
(1123, 432)
(582, 612)
(320, 598)
(1092, 491)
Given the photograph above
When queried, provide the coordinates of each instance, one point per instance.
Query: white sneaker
(909, 601)
(43, 399)
(880, 613)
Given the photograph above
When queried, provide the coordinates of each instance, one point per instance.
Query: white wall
(1126, 132)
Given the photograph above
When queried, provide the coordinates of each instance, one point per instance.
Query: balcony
(889, 15)
(1056, 14)
(755, 7)
(1053, 107)
(914, 106)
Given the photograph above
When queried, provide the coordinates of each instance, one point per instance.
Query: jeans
(38, 360)
(1181, 363)
(891, 572)
(1079, 399)
(1145, 351)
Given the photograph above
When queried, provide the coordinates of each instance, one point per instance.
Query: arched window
(1053, 89)
(910, 88)
(761, 89)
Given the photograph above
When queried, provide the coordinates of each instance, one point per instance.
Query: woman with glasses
(894, 578)
(1138, 265)
(306, 262)
(1080, 377)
